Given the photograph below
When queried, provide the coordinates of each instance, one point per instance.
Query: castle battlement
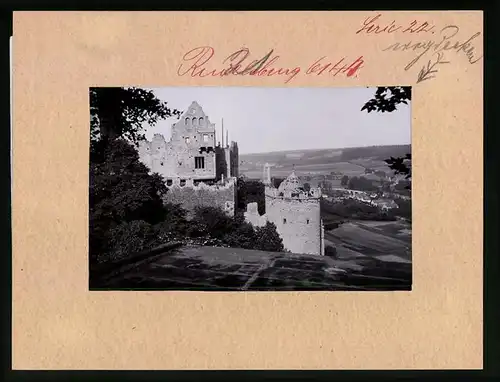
(313, 195)
(189, 183)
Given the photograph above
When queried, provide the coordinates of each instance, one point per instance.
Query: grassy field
(372, 239)
(350, 161)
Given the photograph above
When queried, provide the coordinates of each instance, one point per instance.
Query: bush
(243, 236)
(175, 225)
(403, 210)
(213, 221)
(129, 238)
(267, 238)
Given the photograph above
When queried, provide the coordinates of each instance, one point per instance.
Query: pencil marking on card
(445, 47)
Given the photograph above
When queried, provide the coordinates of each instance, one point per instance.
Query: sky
(279, 119)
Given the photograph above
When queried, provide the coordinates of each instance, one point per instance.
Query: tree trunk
(109, 110)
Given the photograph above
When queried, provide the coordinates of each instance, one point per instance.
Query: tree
(213, 221)
(121, 112)
(344, 181)
(400, 165)
(387, 99)
(268, 238)
(361, 184)
(121, 193)
(250, 191)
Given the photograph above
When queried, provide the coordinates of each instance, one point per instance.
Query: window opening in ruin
(205, 137)
(161, 163)
(187, 140)
(169, 182)
(307, 221)
(199, 162)
(284, 221)
(183, 182)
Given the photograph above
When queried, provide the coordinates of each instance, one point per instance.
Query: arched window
(187, 121)
(195, 121)
(200, 121)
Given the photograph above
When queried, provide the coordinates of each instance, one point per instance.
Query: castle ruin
(201, 171)
(294, 211)
(198, 170)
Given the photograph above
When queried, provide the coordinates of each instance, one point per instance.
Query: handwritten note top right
(434, 45)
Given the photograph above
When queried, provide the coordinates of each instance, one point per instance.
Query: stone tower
(296, 214)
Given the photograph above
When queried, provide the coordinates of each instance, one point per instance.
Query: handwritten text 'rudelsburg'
(199, 62)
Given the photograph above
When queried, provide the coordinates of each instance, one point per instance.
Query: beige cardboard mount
(59, 324)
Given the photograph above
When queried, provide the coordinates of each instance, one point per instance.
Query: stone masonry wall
(190, 196)
(298, 222)
(253, 217)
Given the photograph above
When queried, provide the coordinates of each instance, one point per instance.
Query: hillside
(350, 161)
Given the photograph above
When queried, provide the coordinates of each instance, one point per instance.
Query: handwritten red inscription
(373, 25)
(196, 63)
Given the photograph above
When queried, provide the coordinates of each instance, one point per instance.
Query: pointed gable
(194, 115)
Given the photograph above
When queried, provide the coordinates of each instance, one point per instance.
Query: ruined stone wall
(193, 136)
(253, 217)
(189, 196)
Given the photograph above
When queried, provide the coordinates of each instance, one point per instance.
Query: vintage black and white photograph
(250, 189)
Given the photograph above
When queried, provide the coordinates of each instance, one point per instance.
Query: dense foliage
(125, 201)
(387, 99)
(354, 209)
(361, 184)
(127, 214)
(122, 112)
(250, 191)
(213, 223)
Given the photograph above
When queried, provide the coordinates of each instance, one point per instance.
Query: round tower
(296, 214)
